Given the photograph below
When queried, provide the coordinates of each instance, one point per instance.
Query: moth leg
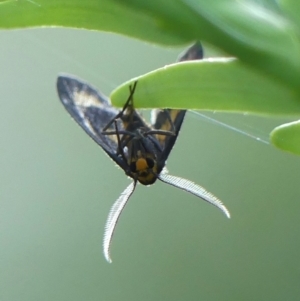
(120, 148)
(124, 141)
(120, 114)
(127, 136)
(160, 132)
(170, 120)
(122, 132)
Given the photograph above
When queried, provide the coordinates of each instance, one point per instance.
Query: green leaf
(287, 137)
(104, 15)
(260, 35)
(291, 9)
(210, 84)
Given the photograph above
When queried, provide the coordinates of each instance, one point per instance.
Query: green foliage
(263, 35)
(210, 84)
(287, 137)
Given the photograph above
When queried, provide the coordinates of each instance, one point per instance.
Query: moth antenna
(113, 218)
(194, 189)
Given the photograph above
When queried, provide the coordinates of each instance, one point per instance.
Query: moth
(140, 149)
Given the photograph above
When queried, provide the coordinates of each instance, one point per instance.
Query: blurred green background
(57, 187)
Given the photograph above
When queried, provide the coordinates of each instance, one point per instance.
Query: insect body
(139, 149)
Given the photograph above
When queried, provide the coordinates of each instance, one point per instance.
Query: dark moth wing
(92, 111)
(171, 119)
